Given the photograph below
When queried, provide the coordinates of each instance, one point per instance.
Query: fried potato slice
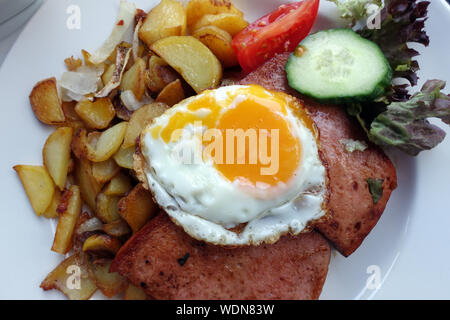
(89, 187)
(140, 119)
(172, 93)
(56, 154)
(134, 293)
(73, 64)
(102, 244)
(99, 147)
(69, 210)
(165, 20)
(52, 210)
(107, 208)
(137, 208)
(105, 171)
(159, 74)
(109, 283)
(219, 42)
(45, 102)
(116, 228)
(38, 186)
(230, 22)
(108, 74)
(134, 79)
(72, 278)
(97, 114)
(124, 157)
(192, 59)
(118, 186)
(196, 9)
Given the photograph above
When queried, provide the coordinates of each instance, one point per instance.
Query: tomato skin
(277, 32)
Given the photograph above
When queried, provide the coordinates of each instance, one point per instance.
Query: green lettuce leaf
(405, 124)
(355, 10)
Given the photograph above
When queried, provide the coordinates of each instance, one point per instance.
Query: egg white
(206, 205)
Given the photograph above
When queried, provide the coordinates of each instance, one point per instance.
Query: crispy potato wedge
(134, 79)
(159, 74)
(72, 278)
(134, 293)
(124, 157)
(56, 155)
(97, 114)
(89, 187)
(108, 74)
(73, 64)
(109, 283)
(140, 119)
(69, 209)
(165, 20)
(196, 9)
(102, 244)
(105, 171)
(52, 210)
(137, 208)
(118, 186)
(172, 93)
(45, 102)
(99, 147)
(38, 186)
(192, 59)
(116, 228)
(107, 208)
(230, 22)
(219, 42)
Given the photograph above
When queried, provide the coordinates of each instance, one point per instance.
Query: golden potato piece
(56, 155)
(107, 208)
(137, 208)
(45, 102)
(72, 278)
(134, 79)
(172, 93)
(105, 171)
(89, 187)
(140, 119)
(109, 283)
(159, 74)
(196, 9)
(52, 210)
(108, 74)
(165, 20)
(97, 114)
(73, 64)
(230, 22)
(134, 293)
(69, 210)
(99, 147)
(118, 186)
(192, 59)
(38, 186)
(124, 157)
(219, 42)
(102, 244)
(116, 228)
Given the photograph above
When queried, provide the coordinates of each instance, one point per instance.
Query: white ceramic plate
(409, 246)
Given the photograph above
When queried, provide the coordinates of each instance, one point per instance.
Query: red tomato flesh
(278, 32)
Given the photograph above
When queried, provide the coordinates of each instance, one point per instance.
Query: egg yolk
(257, 118)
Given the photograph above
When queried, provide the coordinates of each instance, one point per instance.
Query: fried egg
(238, 165)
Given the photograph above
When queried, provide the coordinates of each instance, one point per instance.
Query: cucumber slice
(339, 66)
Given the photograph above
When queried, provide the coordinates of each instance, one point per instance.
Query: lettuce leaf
(355, 10)
(405, 124)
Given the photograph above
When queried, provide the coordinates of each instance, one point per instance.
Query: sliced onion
(75, 85)
(121, 29)
(136, 40)
(92, 224)
(131, 103)
(123, 55)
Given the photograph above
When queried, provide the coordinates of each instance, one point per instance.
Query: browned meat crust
(168, 264)
(351, 211)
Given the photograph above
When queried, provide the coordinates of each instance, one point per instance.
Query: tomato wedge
(279, 31)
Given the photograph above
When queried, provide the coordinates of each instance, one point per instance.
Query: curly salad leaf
(404, 124)
(355, 10)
